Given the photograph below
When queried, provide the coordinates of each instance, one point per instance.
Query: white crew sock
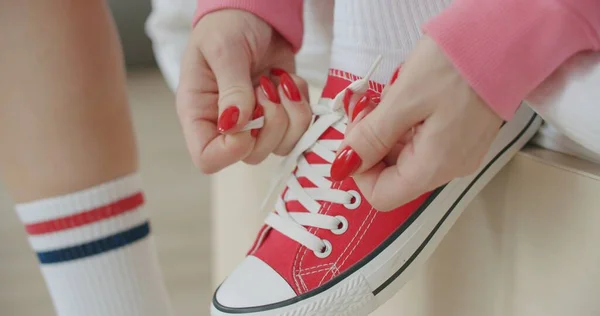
(96, 253)
(312, 61)
(363, 30)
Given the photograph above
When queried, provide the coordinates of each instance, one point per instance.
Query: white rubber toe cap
(253, 283)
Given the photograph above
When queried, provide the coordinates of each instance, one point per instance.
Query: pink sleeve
(284, 15)
(506, 48)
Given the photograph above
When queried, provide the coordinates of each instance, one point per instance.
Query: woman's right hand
(229, 54)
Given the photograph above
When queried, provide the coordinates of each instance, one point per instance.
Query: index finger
(415, 172)
(197, 109)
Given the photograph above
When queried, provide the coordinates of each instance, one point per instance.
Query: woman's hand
(229, 54)
(429, 128)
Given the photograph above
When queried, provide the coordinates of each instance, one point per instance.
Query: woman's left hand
(429, 128)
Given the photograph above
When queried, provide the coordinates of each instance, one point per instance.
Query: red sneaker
(325, 250)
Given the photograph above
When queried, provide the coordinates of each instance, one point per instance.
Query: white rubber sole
(367, 288)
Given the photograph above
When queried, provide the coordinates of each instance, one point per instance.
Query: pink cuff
(285, 16)
(505, 49)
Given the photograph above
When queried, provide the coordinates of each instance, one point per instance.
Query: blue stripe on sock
(95, 247)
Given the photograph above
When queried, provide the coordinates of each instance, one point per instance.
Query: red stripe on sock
(86, 217)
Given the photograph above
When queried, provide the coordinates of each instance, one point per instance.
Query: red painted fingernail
(269, 89)
(395, 76)
(258, 112)
(347, 96)
(228, 118)
(345, 164)
(374, 96)
(278, 72)
(289, 88)
(360, 106)
(370, 93)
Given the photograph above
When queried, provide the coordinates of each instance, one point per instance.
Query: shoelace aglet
(362, 85)
(359, 86)
(254, 124)
(373, 67)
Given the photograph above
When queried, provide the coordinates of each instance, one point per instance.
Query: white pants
(569, 102)
(169, 27)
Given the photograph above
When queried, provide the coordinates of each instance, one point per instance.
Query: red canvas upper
(367, 228)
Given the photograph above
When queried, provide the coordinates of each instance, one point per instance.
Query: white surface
(549, 137)
(570, 101)
(253, 283)
(312, 61)
(169, 26)
(363, 30)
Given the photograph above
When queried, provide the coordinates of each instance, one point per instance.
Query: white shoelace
(294, 224)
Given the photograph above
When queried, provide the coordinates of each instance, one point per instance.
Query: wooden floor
(177, 197)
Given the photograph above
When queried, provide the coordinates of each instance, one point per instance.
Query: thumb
(371, 139)
(231, 66)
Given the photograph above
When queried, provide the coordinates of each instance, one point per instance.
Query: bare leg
(64, 120)
(68, 157)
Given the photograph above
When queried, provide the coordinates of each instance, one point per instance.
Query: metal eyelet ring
(326, 251)
(355, 202)
(343, 227)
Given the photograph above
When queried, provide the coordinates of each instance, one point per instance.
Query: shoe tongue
(333, 86)
(330, 134)
(313, 159)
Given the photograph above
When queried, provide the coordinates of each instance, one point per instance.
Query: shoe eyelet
(343, 227)
(355, 202)
(326, 251)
